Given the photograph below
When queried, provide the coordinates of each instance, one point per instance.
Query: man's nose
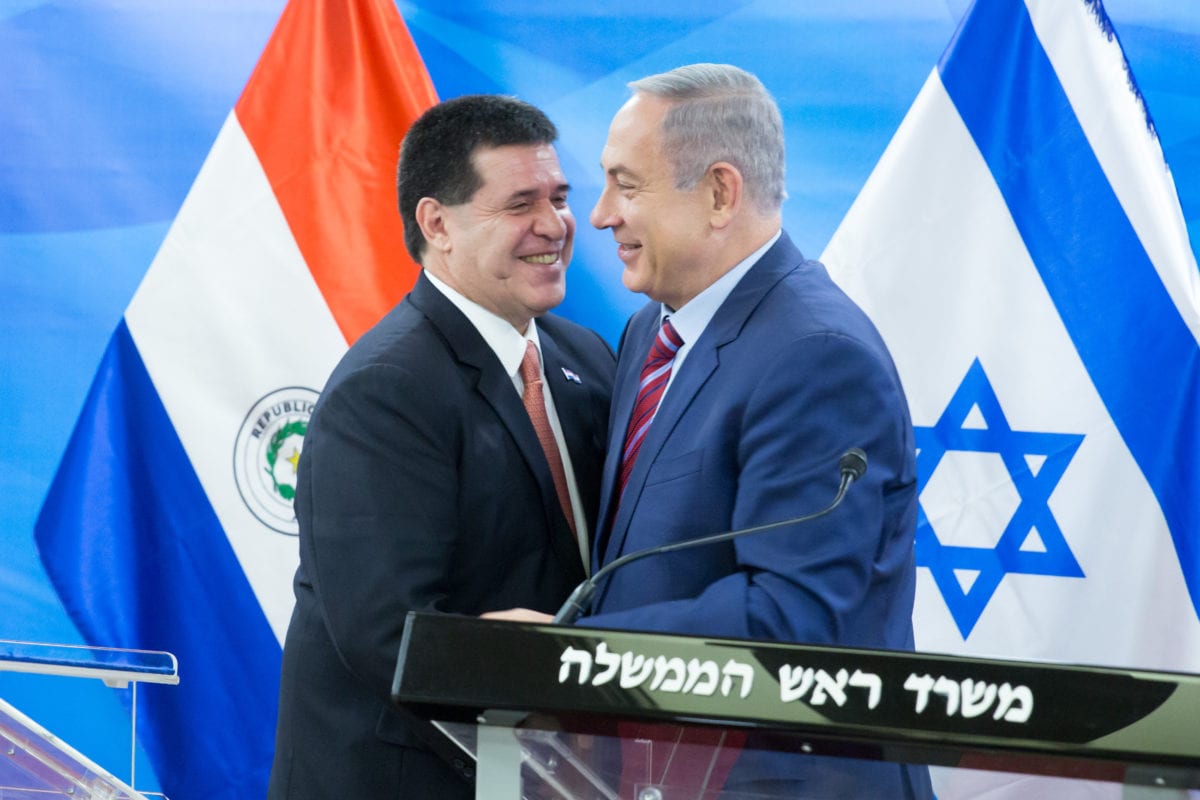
(549, 222)
(602, 215)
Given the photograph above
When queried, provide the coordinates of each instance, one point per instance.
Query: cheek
(631, 213)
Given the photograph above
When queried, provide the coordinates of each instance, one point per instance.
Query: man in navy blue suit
(452, 463)
(738, 388)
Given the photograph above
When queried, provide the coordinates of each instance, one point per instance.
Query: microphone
(852, 466)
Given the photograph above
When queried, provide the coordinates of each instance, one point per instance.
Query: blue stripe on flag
(135, 550)
(1142, 358)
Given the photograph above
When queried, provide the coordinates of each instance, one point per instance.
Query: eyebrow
(619, 170)
(532, 194)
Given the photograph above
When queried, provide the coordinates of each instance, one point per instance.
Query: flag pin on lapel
(571, 376)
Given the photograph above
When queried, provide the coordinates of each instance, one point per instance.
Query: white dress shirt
(509, 346)
(691, 320)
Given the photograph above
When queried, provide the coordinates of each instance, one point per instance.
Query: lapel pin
(571, 376)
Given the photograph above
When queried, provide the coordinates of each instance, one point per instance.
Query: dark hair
(435, 157)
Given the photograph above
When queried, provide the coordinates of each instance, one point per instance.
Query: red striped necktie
(655, 374)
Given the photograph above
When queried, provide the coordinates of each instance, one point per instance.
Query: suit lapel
(575, 413)
(703, 360)
(699, 366)
(496, 387)
(635, 344)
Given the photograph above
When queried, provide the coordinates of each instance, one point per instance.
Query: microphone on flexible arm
(852, 465)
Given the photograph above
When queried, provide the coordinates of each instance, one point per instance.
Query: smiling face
(661, 232)
(508, 247)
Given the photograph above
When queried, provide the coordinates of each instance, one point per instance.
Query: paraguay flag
(169, 524)
(1022, 249)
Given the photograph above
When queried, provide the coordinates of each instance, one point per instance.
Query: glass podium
(37, 765)
(539, 712)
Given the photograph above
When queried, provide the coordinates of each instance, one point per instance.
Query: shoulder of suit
(404, 340)
(558, 324)
(562, 328)
(577, 346)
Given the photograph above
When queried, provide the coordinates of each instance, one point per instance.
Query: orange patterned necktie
(535, 404)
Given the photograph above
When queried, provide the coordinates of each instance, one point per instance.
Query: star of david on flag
(1022, 250)
(1032, 463)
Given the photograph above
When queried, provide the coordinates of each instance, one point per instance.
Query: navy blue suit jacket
(787, 376)
(422, 486)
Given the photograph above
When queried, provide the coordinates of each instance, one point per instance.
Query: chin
(632, 282)
(549, 303)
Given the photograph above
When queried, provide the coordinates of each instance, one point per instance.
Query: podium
(34, 763)
(540, 711)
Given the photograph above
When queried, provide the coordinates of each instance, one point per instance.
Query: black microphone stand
(852, 465)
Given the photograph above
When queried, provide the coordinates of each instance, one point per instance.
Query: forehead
(514, 168)
(635, 132)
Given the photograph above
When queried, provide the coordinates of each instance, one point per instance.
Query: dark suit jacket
(787, 376)
(422, 486)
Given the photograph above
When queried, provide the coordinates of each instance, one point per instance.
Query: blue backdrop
(107, 110)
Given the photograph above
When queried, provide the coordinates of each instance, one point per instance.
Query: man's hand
(520, 615)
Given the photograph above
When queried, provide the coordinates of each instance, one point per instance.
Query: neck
(732, 245)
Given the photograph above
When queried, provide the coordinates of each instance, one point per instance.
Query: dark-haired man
(453, 461)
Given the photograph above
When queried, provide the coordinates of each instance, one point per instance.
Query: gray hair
(721, 113)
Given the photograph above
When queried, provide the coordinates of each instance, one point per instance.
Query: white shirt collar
(505, 341)
(691, 320)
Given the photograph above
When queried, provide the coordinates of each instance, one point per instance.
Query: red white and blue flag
(169, 523)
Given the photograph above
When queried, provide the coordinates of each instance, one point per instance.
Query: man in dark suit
(430, 479)
(738, 389)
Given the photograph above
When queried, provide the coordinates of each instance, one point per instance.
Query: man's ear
(727, 191)
(432, 219)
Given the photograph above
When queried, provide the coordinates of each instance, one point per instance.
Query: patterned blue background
(107, 110)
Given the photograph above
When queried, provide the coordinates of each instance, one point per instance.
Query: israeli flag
(1021, 247)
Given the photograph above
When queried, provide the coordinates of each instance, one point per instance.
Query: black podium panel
(1123, 725)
